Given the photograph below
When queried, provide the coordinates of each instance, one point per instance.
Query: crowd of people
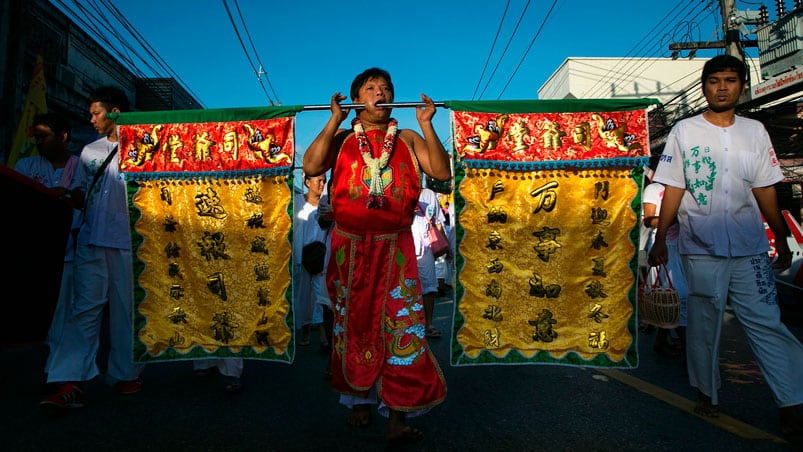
(365, 276)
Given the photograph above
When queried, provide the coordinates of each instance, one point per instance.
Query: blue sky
(310, 49)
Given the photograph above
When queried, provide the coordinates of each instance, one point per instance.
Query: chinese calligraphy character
(259, 245)
(497, 187)
(497, 215)
(494, 266)
(224, 326)
(552, 135)
(262, 272)
(582, 135)
(263, 296)
(202, 145)
(546, 197)
(208, 205)
(176, 292)
(596, 313)
(172, 250)
(164, 195)
(599, 266)
(594, 289)
(212, 246)
(177, 316)
(491, 338)
(598, 340)
(599, 216)
(547, 242)
(217, 285)
(174, 143)
(493, 289)
(544, 327)
(252, 195)
(255, 221)
(493, 312)
(601, 190)
(598, 240)
(494, 241)
(537, 288)
(170, 224)
(519, 133)
(231, 144)
(173, 270)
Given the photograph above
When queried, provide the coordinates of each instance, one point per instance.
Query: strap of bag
(99, 173)
(657, 284)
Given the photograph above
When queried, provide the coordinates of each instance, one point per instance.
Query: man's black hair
(111, 97)
(366, 75)
(722, 63)
(56, 123)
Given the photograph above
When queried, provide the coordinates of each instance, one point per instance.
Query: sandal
(704, 406)
(233, 384)
(432, 332)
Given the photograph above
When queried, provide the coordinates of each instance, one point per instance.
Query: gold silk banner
(546, 248)
(211, 243)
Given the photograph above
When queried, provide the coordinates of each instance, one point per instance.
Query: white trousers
(56, 331)
(748, 283)
(102, 276)
(229, 367)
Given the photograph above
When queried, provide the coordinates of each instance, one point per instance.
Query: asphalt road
(488, 408)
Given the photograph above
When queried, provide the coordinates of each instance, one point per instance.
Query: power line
(532, 41)
(100, 25)
(629, 66)
(256, 54)
(245, 50)
(521, 17)
(501, 21)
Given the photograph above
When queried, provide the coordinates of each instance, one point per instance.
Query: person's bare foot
(705, 407)
(399, 431)
(360, 416)
(791, 421)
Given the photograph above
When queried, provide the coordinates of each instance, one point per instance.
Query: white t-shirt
(654, 194)
(718, 167)
(305, 226)
(107, 221)
(429, 208)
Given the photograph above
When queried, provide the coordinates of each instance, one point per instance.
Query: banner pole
(381, 104)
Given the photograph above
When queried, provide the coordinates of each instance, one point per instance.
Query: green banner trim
(199, 116)
(550, 105)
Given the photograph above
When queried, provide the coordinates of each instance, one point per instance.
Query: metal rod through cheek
(383, 104)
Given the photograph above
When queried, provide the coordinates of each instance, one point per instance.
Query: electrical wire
(532, 41)
(515, 29)
(245, 50)
(490, 53)
(100, 25)
(646, 48)
(256, 54)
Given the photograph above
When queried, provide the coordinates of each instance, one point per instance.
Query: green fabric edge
(140, 350)
(201, 116)
(458, 356)
(550, 105)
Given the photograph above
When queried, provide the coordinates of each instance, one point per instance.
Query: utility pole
(731, 31)
(732, 43)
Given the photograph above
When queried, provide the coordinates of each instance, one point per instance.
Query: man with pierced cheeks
(380, 352)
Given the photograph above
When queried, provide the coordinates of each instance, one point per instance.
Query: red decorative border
(211, 146)
(551, 136)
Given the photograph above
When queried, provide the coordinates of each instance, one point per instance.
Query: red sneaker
(130, 387)
(68, 395)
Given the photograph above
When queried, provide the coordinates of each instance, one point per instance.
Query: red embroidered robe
(372, 279)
